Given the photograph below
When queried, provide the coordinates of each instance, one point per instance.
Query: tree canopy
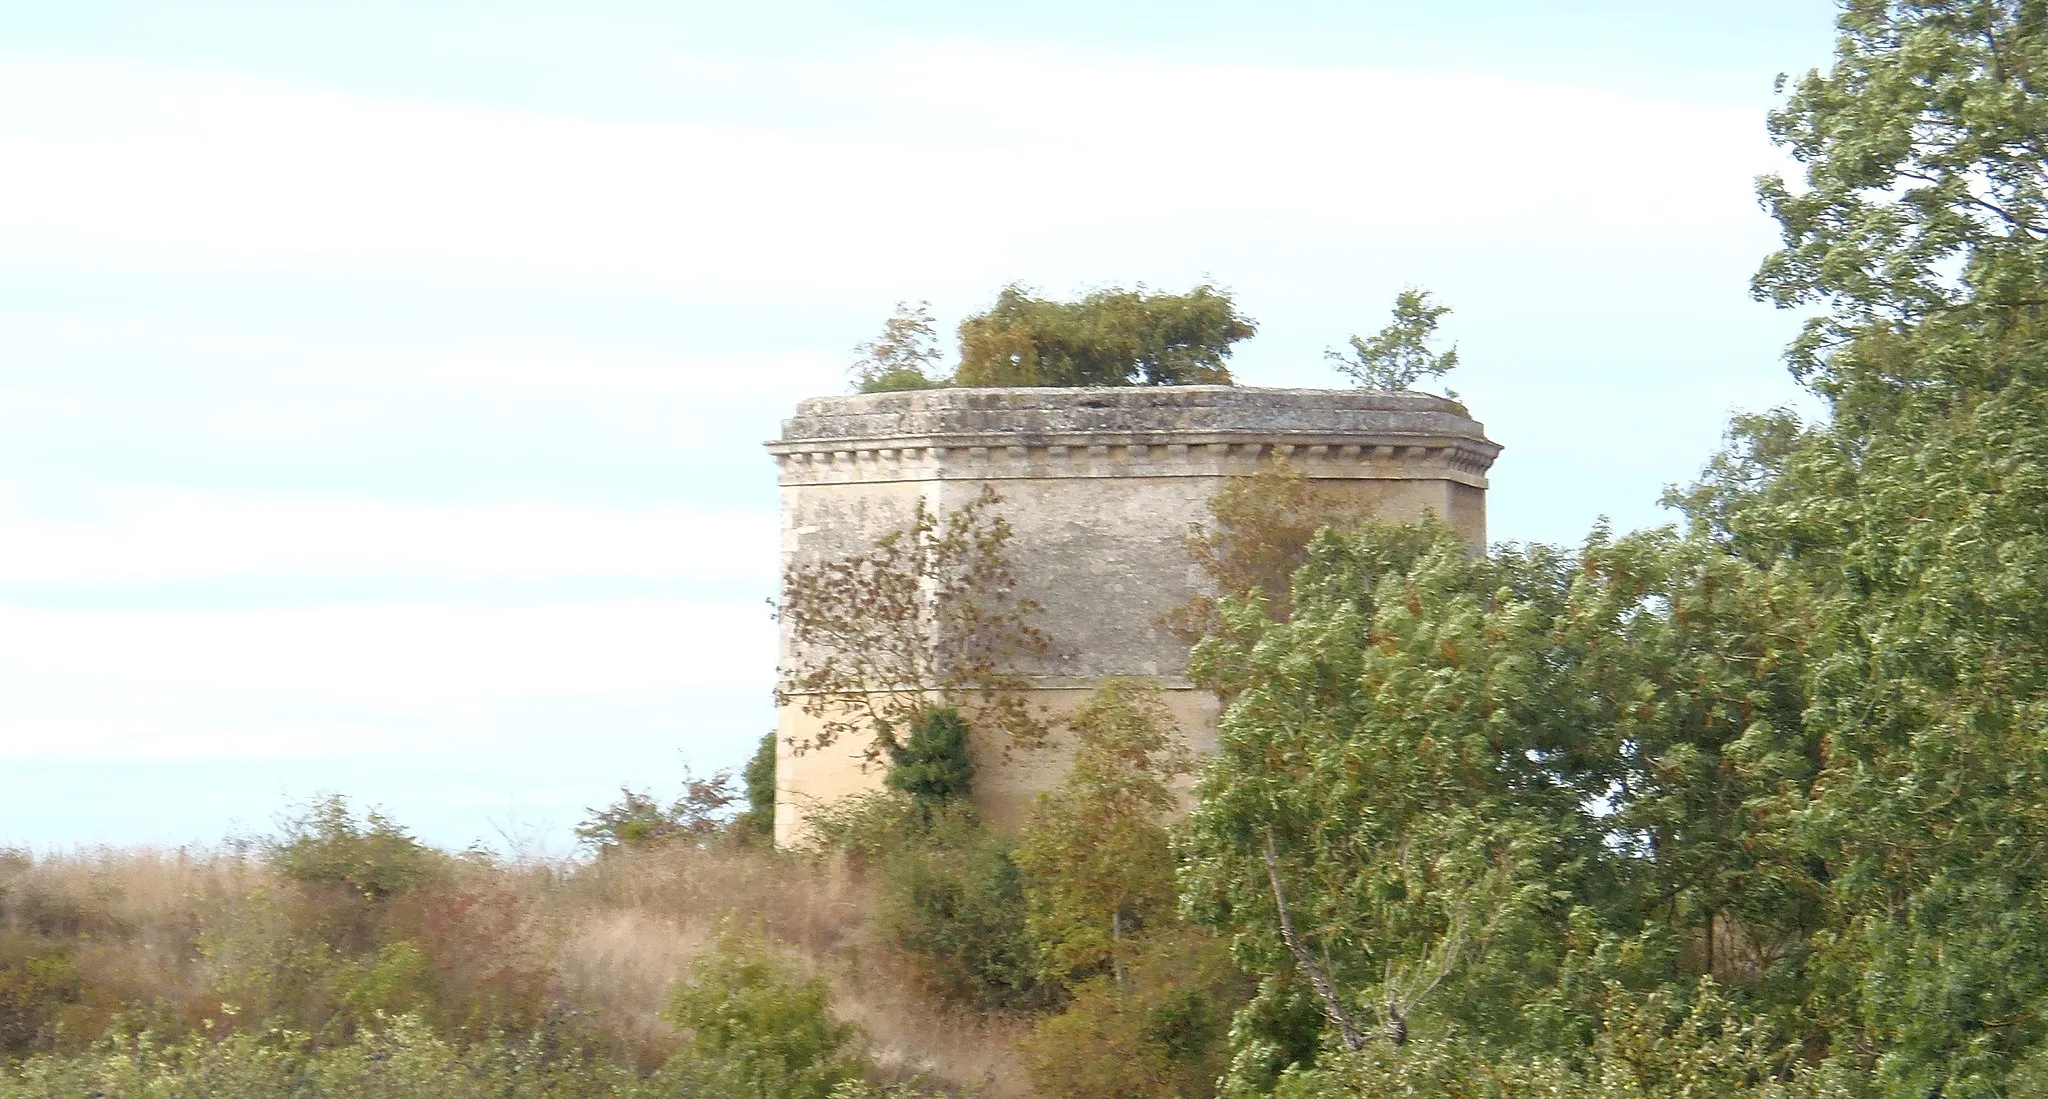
(1753, 806)
(1109, 337)
(1112, 337)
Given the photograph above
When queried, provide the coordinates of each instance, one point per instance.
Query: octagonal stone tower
(1100, 486)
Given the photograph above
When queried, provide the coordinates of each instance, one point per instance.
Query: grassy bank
(341, 947)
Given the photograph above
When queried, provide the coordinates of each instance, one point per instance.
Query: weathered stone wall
(1100, 486)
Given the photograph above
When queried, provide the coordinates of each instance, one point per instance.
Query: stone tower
(1100, 486)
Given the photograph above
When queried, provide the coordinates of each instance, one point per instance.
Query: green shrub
(326, 845)
(758, 1029)
(901, 381)
(931, 765)
(952, 898)
(1160, 1033)
(400, 980)
(33, 991)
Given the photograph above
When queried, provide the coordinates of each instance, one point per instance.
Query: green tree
(759, 777)
(1151, 997)
(1924, 197)
(904, 356)
(1918, 513)
(1399, 355)
(1768, 794)
(1457, 795)
(1109, 337)
(1096, 846)
(952, 901)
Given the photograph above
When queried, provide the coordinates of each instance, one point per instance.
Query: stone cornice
(1188, 431)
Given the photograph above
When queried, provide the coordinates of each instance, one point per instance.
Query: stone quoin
(1100, 487)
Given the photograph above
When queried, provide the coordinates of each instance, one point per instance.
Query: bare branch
(1332, 1006)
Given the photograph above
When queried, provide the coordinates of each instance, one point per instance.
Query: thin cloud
(418, 659)
(130, 535)
(943, 157)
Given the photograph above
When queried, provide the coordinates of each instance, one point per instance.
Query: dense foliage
(931, 764)
(1755, 808)
(1150, 998)
(758, 776)
(1110, 337)
(1097, 843)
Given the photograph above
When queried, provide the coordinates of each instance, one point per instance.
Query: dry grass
(606, 940)
(911, 1035)
(132, 919)
(639, 918)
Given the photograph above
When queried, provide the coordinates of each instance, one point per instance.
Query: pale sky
(382, 386)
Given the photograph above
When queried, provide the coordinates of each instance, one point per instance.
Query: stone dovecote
(1100, 486)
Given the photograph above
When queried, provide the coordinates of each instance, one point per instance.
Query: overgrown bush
(952, 899)
(1159, 1032)
(325, 844)
(35, 992)
(697, 815)
(931, 765)
(759, 1028)
(1152, 997)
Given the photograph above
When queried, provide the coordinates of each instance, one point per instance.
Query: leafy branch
(926, 617)
(1398, 355)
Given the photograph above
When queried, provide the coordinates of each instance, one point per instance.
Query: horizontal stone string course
(1081, 458)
